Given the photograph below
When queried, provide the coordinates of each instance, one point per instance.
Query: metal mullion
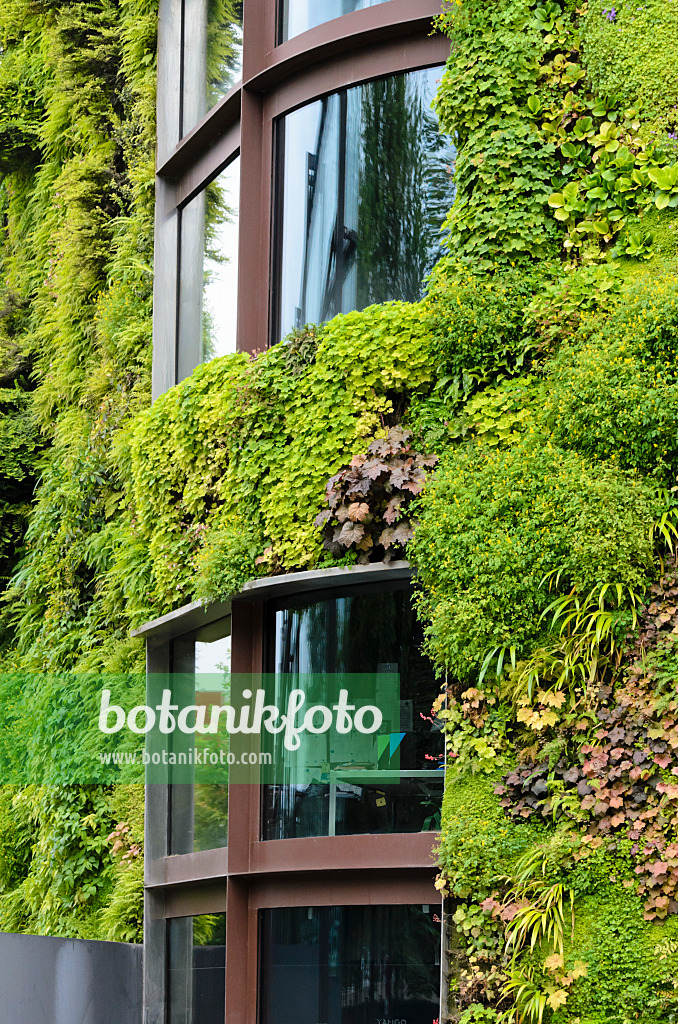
(200, 174)
(156, 844)
(214, 125)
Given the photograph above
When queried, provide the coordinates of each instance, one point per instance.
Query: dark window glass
(212, 55)
(197, 969)
(199, 811)
(299, 15)
(373, 632)
(366, 184)
(350, 965)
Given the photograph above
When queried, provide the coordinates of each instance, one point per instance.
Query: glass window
(375, 633)
(298, 15)
(350, 965)
(197, 969)
(212, 55)
(366, 185)
(199, 817)
(208, 286)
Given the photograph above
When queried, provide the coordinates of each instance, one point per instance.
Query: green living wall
(515, 434)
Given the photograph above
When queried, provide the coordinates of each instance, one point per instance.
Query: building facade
(314, 184)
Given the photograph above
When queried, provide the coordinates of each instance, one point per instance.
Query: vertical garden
(77, 113)
(514, 434)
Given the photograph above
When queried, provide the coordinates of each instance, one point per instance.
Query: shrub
(494, 523)
(614, 395)
(478, 324)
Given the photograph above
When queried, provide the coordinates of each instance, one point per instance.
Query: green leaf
(666, 178)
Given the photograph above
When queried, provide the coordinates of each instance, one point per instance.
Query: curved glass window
(366, 185)
(212, 55)
(350, 965)
(374, 637)
(299, 15)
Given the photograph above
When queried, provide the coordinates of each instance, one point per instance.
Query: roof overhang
(198, 614)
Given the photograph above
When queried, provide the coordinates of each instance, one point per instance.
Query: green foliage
(15, 839)
(19, 445)
(496, 522)
(500, 415)
(548, 395)
(478, 1013)
(633, 56)
(77, 124)
(629, 971)
(475, 729)
(615, 180)
(230, 557)
(504, 168)
(65, 881)
(478, 323)
(613, 394)
(22, 79)
(123, 917)
(533, 565)
(539, 151)
(284, 425)
(477, 843)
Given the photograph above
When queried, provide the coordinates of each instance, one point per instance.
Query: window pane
(220, 288)
(199, 818)
(212, 55)
(374, 633)
(366, 185)
(197, 969)
(298, 15)
(350, 965)
(208, 282)
(210, 801)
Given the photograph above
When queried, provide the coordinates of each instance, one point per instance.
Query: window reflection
(199, 818)
(212, 685)
(220, 287)
(208, 283)
(197, 969)
(299, 15)
(212, 55)
(366, 185)
(375, 633)
(350, 965)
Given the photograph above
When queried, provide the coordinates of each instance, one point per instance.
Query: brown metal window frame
(390, 38)
(252, 874)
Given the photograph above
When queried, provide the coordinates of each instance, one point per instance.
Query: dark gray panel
(45, 980)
